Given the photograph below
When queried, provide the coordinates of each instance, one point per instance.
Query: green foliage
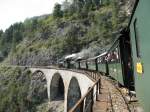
(12, 36)
(1, 33)
(14, 86)
(71, 41)
(96, 3)
(57, 13)
(106, 2)
(79, 7)
(88, 5)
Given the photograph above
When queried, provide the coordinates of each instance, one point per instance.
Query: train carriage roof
(133, 11)
(103, 54)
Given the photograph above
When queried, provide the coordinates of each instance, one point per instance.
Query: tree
(57, 13)
(96, 3)
(80, 6)
(105, 2)
(66, 8)
(88, 4)
(8, 34)
(1, 32)
(71, 10)
(115, 14)
(34, 24)
(65, 5)
(72, 43)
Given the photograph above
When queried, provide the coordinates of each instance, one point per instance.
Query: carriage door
(129, 64)
(127, 61)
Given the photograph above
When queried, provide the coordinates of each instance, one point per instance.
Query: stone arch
(38, 87)
(57, 88)
(74, 94)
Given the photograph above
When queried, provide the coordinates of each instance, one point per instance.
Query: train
(116, 62)
(127, 60)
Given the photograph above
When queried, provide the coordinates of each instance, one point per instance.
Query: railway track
(110, 99)
(118, 98)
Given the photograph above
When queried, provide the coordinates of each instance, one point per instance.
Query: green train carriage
(139, 32)
(97, 63)
(102, 63)
(83, 64)
(114, 63)
(92, 64)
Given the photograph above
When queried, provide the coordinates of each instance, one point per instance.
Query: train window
(117, 54)
(99, 60)
(137, 39)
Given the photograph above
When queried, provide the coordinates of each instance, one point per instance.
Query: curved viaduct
(64, 85)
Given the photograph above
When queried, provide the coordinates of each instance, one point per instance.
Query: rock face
(42, 58)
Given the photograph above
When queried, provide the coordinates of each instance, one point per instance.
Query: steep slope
(45, 39)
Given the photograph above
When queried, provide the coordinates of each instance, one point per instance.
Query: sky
(12, 11)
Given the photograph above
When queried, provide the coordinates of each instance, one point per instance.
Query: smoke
(88, 53)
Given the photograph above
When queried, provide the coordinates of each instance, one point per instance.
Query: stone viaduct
(66, 85)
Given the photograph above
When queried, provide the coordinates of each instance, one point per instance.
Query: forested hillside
(73, 27)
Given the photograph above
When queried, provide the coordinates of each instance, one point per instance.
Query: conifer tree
(57, 13)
